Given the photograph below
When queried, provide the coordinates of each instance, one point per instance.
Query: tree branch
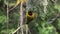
(27, 30)
(16, 30)
(21, 17)
(53, 19)
(7, 18)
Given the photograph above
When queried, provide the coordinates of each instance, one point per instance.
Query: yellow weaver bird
(29, 16)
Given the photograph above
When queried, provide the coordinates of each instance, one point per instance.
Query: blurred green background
(43, 23)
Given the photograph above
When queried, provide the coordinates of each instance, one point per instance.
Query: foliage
(39, 25)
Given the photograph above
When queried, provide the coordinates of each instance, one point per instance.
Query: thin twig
(54, 30)
(13, 7)
(53, 19)
(16, 30)
(7, 18)
(27, 30)
(17, 3)
(45, 3)
(18, 26)
(27, 8)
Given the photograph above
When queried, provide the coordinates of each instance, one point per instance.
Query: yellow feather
(18, 1)
(14, 4)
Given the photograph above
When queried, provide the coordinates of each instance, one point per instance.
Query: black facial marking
(30, 12)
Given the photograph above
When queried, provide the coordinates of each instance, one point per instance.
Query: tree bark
(21, 18)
